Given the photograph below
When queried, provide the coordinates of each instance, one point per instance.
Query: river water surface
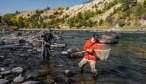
(125, 65)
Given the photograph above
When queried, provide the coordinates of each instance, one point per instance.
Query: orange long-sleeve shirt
(90, 45)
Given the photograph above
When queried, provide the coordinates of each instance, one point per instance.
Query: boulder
(3, 81)
(19, 79)
(109, 39)
(17, 70)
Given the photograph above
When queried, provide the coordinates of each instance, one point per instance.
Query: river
(126, 63)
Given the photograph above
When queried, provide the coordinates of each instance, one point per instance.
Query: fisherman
(47, 37)
(90, 56)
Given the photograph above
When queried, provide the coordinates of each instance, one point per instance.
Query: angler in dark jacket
(46, 42)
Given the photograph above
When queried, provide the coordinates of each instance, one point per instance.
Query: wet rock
(22, 41)
(108, 39)
(58, 45)
(39, 50)
(67, 73)
(115, 36)
(73, 49)
(5, 72)
(3, 69)
(57, 37)
(19, 79)
(64, 52)
(1, 76)
(17, 70)
(29, 50)
(33, 75)
(3, 81)
(2, 43)
(36, 43)
(1, 56)
(31, 82)
(19, 34)
(76, 55)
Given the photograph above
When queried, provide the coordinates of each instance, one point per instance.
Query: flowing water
(125, 65)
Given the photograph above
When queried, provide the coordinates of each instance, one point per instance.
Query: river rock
(1, 56)
(3, 69)
(5, 72)
(58, 45)
(67, 73)
(19, 79)
(76, 55)
(19, 34)
(31, 82)
(3, 81)
(108, 39)
(22, 41)
(2, 43)
(33, 75)
(115, 36)
(17, 70)
(64, 52)
(73, 49)
(1, 76)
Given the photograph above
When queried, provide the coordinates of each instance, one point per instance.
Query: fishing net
(102, 51)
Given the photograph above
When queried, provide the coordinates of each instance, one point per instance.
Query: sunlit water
(126, 63)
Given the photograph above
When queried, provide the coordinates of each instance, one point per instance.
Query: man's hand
(90, 50)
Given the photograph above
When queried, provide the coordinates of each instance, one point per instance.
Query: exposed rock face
(86, 6)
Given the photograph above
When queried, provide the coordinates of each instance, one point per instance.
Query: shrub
(109, 19)
(121, 22)
(101, 22)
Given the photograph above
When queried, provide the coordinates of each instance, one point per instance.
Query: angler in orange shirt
(90, 55)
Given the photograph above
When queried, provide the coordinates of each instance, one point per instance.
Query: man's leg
(43, 52)
(48, 53)
(93, 67)
(81, 64)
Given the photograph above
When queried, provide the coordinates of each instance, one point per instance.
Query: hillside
(94, 14)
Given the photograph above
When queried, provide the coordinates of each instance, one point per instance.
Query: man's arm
(86, 48)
